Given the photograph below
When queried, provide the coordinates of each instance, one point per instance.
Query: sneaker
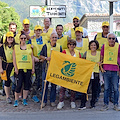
(43, 105)
(16, 103)
(73, 105)
(116, 108)
(82, 108)
(104, 108)
(8, 100)
(53, 104)
(24, 102)
(60, 105)
(35, 99)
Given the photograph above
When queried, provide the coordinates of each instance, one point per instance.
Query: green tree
(8, 15)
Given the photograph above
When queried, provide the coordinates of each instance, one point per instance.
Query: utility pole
(111, 15)
(48, 2)
(111, 12)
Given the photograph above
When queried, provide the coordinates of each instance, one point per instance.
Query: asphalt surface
(33, 111)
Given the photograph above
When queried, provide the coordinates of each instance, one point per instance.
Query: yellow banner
(69, 72)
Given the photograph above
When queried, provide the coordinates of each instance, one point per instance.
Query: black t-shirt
(4, 63)
(44, 53)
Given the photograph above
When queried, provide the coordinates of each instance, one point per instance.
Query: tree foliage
(8, 15)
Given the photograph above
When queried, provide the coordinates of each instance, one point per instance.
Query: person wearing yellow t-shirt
(6, 62)
(45, 55)
(12, 28)
(62, 39)
(81, 43)
(101, 37)
(92, 55)
(26, 30)
(47, 30)
(24, 67)
(76, 23)
(37, 44)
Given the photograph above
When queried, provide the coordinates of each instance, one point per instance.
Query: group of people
(26, 52)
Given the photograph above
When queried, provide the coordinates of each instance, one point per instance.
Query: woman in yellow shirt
(24, 66)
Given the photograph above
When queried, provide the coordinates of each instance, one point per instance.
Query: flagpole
(45, 84)
(43, 93)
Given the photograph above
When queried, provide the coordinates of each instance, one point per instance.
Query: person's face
(23, 39)
(12, 28)
(10, 40)
(26, 27)
(47, 22)
(53, 38)
(105, 29)
(93, 46)
(38, 32)
(76, 22)
(78, 34)
(71, 46)
(111, 40)
(59, 30)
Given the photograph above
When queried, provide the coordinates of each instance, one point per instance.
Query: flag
(69, 72)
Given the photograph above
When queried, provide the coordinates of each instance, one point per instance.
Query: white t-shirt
(79, 44)
(85, 33)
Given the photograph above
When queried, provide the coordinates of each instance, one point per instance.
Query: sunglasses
(23, 38)
(75, 21)
(72, 44)
(105, 26)
(111, 38)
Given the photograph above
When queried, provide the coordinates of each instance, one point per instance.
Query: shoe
(92, 107)
(35, 99)
(8, 100)
(116, 108)
(104, 108)
(60, 105)
(43, 105)
(16, 103)
(24, 102)
(53, 104)
(73, 105)
(82, 108)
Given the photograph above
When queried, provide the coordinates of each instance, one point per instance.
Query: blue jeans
(111, 80)
(52, 91)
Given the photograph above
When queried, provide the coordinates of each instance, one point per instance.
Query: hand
(36, 59)
(32, 46)
(16, 71)
(48, 58)
(33, 70)
(99, 63)
(28, 37)
(1, 71)
(32, 37)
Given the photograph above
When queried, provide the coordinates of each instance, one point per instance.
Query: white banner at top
(51, 11)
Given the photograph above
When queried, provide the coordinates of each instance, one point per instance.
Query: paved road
(33, 112)
(62, 115)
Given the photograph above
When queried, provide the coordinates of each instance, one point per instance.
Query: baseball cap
(105, 23)
(76, 17)
(9, 34)
(37, 27)
(80, 29)
(26, 21)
